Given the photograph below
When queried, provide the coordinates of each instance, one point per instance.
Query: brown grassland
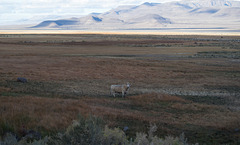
(187, 84)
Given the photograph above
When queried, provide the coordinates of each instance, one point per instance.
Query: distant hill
(209, 14)
(55, 24)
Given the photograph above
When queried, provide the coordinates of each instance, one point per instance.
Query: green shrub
(150, 139)
(5, 127)
(141, 139)
(114, 137)
(91, 131)
(9, 139)
(84, 132)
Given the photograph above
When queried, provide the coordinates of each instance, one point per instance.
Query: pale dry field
(181, 83)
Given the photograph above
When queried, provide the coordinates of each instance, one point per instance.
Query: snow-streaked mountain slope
(181, 14)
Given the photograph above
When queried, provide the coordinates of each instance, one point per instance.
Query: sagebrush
(92, 131)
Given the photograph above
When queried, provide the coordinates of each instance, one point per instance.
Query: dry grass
(54, 114)
(36, 113)
(172, 85)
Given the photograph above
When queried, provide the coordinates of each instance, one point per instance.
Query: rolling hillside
(198, 14)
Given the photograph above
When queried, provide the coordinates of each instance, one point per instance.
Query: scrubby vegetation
(184, 84)
(91, 131)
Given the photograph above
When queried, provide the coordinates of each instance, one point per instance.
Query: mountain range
(186, 14)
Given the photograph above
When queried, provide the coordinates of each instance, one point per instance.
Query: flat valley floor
(187, 84)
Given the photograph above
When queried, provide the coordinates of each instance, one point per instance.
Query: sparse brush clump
(150, 139)
(84, 132)
(91, 131)
(10, 139)
(114, 137)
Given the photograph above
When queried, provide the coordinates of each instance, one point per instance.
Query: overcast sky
(22, 10)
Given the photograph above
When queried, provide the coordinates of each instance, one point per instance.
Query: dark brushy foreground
(182, 84)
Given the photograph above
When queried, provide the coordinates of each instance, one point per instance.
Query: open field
(181, 83)
(170, 31)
